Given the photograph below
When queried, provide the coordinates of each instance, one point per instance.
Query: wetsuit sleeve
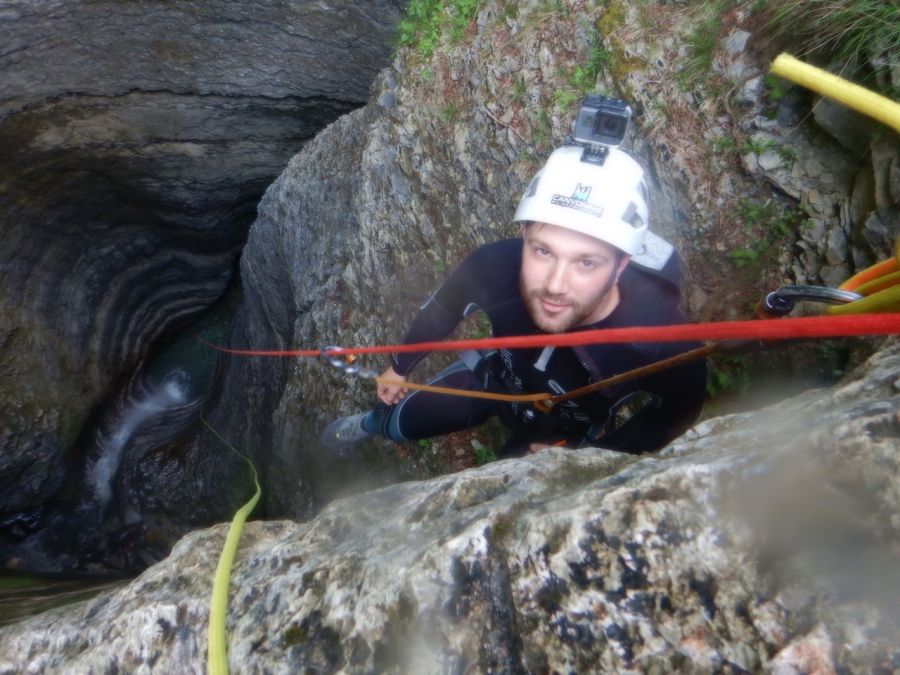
(464, 290)
(681, 392)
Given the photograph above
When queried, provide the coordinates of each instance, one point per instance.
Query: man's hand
(391, 393)
(535, 448)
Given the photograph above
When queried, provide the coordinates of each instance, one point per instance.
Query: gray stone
(851, 129)
(770, 160)
(736, 42)
(750, 89)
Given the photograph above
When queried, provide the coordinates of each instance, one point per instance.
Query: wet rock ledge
(759, 541)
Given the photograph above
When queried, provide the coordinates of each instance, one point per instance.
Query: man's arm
(440, 315)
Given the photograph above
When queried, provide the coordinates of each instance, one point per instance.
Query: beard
(573, 315)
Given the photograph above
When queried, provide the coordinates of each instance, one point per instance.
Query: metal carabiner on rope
(346, 364)
(781, 302)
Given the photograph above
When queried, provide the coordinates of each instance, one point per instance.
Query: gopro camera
(601, 121)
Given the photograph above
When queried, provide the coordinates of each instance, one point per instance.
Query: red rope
(771, 329)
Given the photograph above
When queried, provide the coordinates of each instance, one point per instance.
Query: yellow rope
(217, 660)
(852, 95)
(887, 300)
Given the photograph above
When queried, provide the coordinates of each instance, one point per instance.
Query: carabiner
(781, 302)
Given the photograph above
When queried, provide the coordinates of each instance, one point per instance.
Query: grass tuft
(863, 34)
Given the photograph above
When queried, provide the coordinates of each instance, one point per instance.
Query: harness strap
(545, 405)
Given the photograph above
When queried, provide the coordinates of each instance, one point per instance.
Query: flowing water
(96, 526)
(165, 403)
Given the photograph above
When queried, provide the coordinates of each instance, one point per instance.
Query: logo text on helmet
(578, 201)
(582, 192)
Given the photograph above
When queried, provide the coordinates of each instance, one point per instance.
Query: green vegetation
(600, 59)
(542, 130)
(787, 155)
(864, 34)
(582, 78)
(723, 143)
(427, 20)
(483, 454)
(450, 113)
(701, 45)
(771, 224)
(727, 374)
(776, 87)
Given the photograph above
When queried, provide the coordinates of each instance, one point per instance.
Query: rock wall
(367, 219)
(760, 542)
(135, 141)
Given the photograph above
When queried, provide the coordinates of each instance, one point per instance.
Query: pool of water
(24, 596)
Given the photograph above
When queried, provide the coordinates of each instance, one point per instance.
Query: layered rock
(758, 542)
(135, 141)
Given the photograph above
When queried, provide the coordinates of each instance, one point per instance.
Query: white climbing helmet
(607, 202)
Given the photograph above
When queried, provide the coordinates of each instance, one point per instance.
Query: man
(584, 261)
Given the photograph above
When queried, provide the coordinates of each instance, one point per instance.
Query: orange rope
(870, 273)
(450, 391)
(544, 401)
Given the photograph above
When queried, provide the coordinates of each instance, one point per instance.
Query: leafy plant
(582, 78)
(787, 155)
(727, 374)
(771, 223)
(427, 20)
(776, 87)
(723, 143)
(483, 454)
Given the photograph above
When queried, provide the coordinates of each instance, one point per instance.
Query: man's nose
(557, 281)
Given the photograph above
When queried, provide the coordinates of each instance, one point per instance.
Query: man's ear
(623, 263)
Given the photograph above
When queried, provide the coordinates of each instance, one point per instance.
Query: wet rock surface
(763, 541)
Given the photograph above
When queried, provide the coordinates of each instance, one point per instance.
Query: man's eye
(589, 264)
(541, 251)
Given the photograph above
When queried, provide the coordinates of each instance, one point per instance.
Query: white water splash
(122, 424)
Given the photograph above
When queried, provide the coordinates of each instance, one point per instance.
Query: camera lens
(611, 125)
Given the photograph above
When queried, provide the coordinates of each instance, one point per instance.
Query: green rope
(217, 663)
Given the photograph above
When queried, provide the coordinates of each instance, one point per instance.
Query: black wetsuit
(638, 416)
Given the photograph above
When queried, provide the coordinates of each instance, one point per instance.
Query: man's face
(565, 277)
